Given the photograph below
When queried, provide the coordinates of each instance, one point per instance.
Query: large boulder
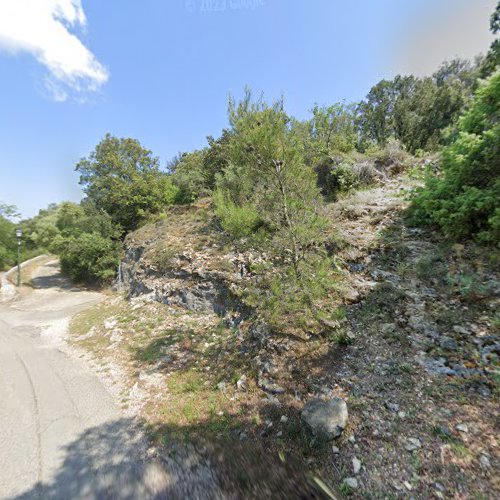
(325, 419)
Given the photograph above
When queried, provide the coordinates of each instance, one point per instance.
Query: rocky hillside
(398, 397)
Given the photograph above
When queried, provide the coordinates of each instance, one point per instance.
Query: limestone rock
(326, 419)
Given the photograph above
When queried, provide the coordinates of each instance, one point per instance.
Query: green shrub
(286, 302)
(237, 220)
(335, 177)
(90, 258)
(464, 198)
(8, 244)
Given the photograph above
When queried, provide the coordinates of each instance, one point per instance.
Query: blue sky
(161, 71)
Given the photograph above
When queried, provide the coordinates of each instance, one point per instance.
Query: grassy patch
(154, 350)
(93, 317)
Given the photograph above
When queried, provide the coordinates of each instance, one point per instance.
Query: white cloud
(42, 28)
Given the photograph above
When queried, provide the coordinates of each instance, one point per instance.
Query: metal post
(19, 234)
(19, 262)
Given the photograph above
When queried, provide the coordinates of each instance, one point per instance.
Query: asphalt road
(61, 434)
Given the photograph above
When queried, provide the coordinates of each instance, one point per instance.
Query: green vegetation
(268, 176)
(8, 243)
(123, 179)
(464, 198)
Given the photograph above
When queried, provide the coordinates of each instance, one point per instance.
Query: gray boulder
(325, 419)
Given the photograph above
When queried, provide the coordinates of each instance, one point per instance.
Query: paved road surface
(61, 435)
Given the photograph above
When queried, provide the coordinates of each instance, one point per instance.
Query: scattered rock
(356, 465)
(412, 444)
(284, 419)
(272, 400)
(483, 390)
(436, 366)
(484, 461)
(352, 482)
(326, 419)
(393, 407)
(242, 384)
(269, 386)
(462, 428)
(335, 450)
(109, 324)
(460, 330)
(448, 343)
(416, 323)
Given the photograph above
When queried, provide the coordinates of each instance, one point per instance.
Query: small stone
(268, 385)
(460, 330)
(401, 414)
(484, 461)
(439, 486)
(284, 419)
(407, 485)
(352, 439)
(242, 384)
(448, 343)
(335, 450)
(356, 465)
(393, 407)
(484, 391)
(462, 428)
(352, 482)
(272, 400)
(387, 328)
(326, 419)
(412, 444)
(109, 324)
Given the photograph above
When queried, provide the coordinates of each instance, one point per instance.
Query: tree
(278, 185)
(189, 175)
(7, 235)
(417, 111)
(269, 195)
(124, 180)
(464, 199)
(376, 113)
(333, 129)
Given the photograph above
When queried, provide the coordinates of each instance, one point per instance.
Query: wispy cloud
(45, 29)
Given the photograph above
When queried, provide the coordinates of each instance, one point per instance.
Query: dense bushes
(464, 199)
(90, 257)
(84, 237)
(7, 243)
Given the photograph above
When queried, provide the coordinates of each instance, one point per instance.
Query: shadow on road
(105, 462)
